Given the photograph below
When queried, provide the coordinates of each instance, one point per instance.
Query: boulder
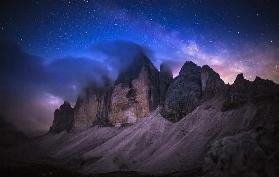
(251, 153)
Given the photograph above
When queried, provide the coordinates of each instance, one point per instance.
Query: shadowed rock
(166, 78)
(184, 93)
(243, 91)
(63, 118)
(211, 83)
(251, 153)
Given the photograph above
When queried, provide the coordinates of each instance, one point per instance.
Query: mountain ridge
(184, 136)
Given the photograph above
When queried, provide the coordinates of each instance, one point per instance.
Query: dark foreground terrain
(45, 170)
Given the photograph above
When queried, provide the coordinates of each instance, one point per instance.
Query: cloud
(118, 54)
(32, 88)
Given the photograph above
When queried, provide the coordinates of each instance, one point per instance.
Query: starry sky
(230, 36)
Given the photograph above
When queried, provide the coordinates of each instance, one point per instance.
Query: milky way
(243, 37)
(230, 36)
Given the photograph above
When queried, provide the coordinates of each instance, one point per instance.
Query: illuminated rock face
(92, 108)
(136, 92)
(134, 95)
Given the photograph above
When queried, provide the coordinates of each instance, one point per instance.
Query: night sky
(67, 43)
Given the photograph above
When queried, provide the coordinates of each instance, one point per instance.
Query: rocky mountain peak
(184, 93)
(165, 78)
(65, 106)
(190, 69)
(63, 118)
(135, 92)
(211, 83)
(132, 70)
(239, 78)
(190, 88)
(243, 91)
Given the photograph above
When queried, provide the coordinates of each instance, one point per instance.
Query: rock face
(192, 86)
(165, 78)
(184, 93)
(63, 118)
(211, 83)
(243, 91)
(135, 93)
(92, 107)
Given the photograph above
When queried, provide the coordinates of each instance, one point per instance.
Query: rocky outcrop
(63, 118)
(251, 153)
(165, 78)
(243, 91)
(193, 86)
(184, 93)
(135, 93)
(93, 106)
(211, 83)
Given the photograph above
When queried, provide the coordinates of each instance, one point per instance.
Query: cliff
(63, 118)
(93, 106)
(135, 93)
(201, 123)
(190, 88)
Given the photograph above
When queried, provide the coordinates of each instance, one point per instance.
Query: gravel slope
(152, 145)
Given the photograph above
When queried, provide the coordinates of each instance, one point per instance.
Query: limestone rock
(135, 93)
(166, 78)
(63, 118)
(211, 83)
(184, 93)
(243, 91)
(92, 107)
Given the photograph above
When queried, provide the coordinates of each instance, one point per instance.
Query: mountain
(92, 107)
(133, 95)
(63, 118)
(194, 123)
(190, 88)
